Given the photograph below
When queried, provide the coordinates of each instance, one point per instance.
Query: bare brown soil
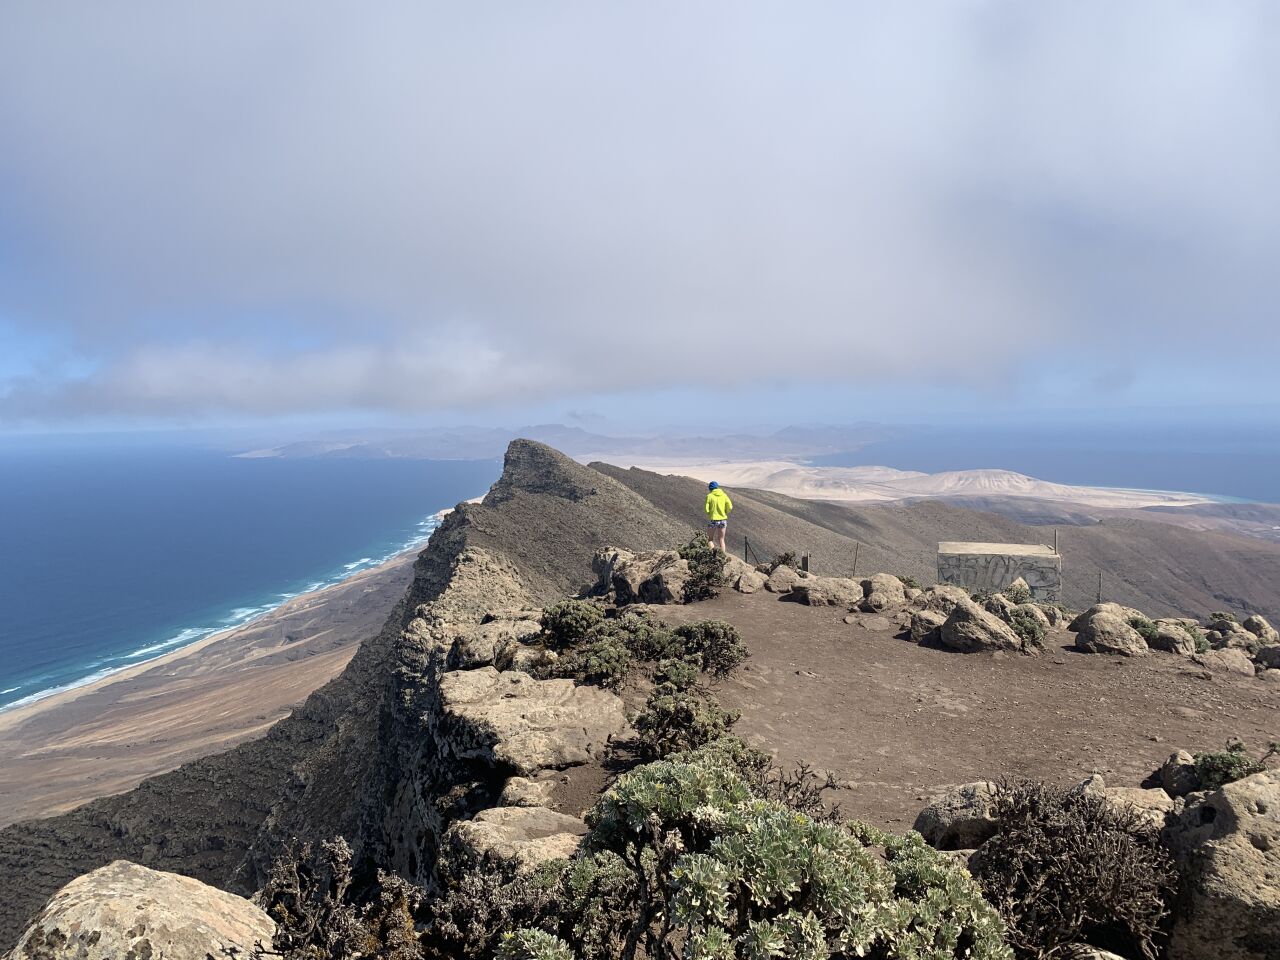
(897, 723)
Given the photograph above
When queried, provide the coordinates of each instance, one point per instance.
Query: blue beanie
(712, 485)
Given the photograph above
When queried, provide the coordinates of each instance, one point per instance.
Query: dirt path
(897, 723)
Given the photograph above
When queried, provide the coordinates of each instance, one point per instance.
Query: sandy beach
(107, 736)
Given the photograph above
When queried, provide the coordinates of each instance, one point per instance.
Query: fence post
(804, 562)
(856, 547)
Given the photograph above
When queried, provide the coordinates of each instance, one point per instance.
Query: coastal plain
(108, 736)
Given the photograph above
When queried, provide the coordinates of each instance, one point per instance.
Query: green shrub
(1017, 593)
(531, 944)
(718, 871)
(1197, 636)
(1145, 628)
(1027, 626)
(714, 642)
(602, 662)
(911, 583)
(785, 559)
(1222, 615)
(706, 569)
(679, 673)
(1219, 768)
(1065, 867)
(674, 720)
(568, 622)
(647, 639)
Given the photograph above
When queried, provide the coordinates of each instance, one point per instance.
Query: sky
(321, 212)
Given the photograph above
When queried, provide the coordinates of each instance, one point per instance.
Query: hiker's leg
(711, 534)
(720, 535)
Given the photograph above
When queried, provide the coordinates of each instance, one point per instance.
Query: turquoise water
(109, 558)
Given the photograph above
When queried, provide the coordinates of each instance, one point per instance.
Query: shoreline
(106, 736)
(201, 637)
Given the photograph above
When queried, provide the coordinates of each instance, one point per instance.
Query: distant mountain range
(486, 443)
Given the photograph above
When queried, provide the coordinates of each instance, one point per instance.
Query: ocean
(111, 557)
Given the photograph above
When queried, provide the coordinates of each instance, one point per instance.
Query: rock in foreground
(124, 911)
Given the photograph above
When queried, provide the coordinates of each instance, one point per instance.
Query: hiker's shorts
(718, 523)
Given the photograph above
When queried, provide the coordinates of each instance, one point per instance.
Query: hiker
(717, 506)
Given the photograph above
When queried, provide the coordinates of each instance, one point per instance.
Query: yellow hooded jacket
(718, 505)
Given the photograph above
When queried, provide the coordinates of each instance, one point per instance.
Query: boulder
(530, 725)
(1116, 610)
(1261, 629)
(527, 836)
(1105, 632)
(749, 581)
(1172, 637)
(782, 580)
(1000, 605)
(1083, 951)
(925, 624)
(961, 819)
(1053, 614)
(971, 629)
(526, 792)
(490, 642)
(1227, 660)
(1227, 845)
(1269, 657)
(625, 577)
(828, 591)
(1226, 635)
(882, 591)
(941, 598)
(124, 911)
(1178, 775)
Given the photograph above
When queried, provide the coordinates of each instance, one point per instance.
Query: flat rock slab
(527, 835)
(123, 910)
(511, 718)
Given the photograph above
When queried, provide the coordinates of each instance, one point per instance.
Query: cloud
(314, 206)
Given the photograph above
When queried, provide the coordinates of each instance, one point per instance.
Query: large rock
(512, 719)
(882, 591)
(925, 624)
(971, 629)
(1228, 635)
(126, 912)
(1261, 629)
(749, 581)
(655, 577)
(1227, 660)
(1227, 844)
(943, 598)
(1269, 657)
(782, 580)
(494, 643)
(1105, 632)
(528, 836)
(1152, 806)
(1178, 774)
(1172, 636)
(1116, 610)
(960, 820)
(828, 591)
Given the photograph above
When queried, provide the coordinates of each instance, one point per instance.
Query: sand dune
(872, 484)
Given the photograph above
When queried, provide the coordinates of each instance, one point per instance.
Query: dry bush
(1066, 867)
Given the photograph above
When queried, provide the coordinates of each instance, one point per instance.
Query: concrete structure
(989, 567)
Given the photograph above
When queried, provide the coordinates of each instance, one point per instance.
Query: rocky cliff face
(370, 755)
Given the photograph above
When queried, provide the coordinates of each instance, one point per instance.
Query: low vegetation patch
(706, 569)
(602, 662)
(1027, 626)
(1017, 593)
(1144, 627)
(1217, 769)
(676, 718)
(1067, 867)
(568, 622)
(716, 644)
(911, 583)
